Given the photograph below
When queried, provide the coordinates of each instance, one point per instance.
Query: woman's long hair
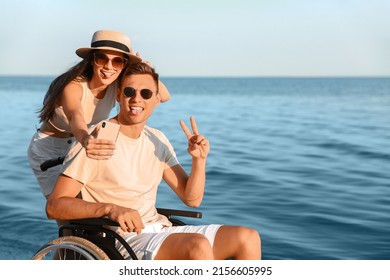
(82, 71)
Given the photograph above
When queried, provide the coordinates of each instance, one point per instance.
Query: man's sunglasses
(145, 93)
(117, 62)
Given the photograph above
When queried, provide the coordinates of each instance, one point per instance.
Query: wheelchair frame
(92, 240)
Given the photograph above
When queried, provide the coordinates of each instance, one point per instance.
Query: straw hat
(109, 40)
(117, 41)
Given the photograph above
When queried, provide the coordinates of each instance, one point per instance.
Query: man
(124, 188)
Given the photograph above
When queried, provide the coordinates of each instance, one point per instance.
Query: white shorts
(146, 244)
(44, 147)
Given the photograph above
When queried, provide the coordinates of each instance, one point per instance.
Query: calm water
(304, 161)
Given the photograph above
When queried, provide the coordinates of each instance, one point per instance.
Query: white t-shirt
(130, 178)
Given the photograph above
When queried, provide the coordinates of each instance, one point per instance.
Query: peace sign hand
(198, 145)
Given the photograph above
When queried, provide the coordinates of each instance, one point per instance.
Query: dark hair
(82, 71)
(137, 69)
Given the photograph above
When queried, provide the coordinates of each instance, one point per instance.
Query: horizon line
(220, 76)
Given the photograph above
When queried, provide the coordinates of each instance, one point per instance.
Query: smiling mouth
(107, 74)
(136, 110)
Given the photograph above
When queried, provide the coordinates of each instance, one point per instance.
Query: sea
(304, 161)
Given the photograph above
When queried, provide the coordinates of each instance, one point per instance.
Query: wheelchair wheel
(70, 248)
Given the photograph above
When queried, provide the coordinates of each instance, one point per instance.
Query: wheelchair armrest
(107, 222)
(182, 213)
(94, 222)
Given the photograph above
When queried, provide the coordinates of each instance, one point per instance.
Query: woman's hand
(98, 148)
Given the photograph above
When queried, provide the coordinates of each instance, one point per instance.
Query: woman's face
(107, 65)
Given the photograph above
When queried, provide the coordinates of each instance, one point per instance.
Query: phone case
(108, 131)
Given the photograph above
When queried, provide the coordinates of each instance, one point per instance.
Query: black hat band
(112, 44)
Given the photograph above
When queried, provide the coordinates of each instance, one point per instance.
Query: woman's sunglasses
(145, 93)
(117, 62)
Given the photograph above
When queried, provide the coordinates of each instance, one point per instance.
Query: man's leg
(237, 242)
(185, 246)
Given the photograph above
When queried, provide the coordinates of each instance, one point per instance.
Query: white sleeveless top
(94, 110)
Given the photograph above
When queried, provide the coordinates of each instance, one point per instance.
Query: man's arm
(190, 189)
(63, 205)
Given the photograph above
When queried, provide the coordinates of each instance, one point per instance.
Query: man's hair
(138, 69)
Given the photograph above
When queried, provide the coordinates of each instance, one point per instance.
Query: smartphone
(108, 131)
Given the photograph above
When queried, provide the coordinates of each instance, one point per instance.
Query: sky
(233, 38)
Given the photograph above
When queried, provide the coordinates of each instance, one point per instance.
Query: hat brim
(84, 52)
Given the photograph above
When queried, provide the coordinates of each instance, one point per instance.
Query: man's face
(137, 98)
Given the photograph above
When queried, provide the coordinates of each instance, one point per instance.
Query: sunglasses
(145, 93)
(116, 62)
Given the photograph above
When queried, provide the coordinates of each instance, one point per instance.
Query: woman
(77, 99)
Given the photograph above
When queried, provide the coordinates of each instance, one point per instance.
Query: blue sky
(204, 37)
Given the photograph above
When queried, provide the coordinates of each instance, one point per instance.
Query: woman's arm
(71, 104)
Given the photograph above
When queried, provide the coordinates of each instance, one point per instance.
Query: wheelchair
(91, 239)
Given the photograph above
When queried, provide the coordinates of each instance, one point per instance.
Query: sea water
(304, 161)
